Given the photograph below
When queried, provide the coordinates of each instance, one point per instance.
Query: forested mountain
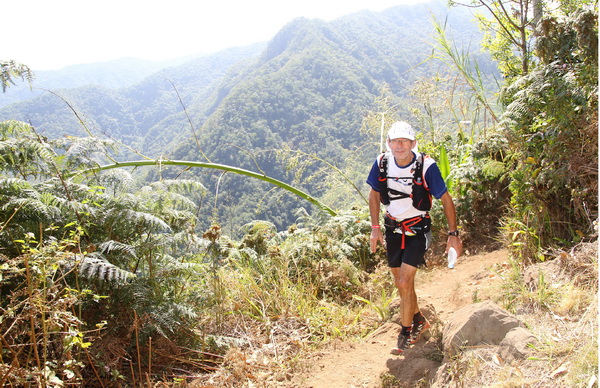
(115, 74)
(127, 113)
(308, 90)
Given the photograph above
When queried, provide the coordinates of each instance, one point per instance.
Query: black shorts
(414, 247)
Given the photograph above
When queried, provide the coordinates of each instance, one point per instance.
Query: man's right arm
(374, 209)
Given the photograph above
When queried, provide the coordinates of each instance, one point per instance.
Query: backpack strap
(383, 187)
(418, 175)
(420, 192)
(387, 194)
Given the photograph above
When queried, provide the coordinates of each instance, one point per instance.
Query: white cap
(401, 130)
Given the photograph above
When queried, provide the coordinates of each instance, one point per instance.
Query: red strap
(407, 224)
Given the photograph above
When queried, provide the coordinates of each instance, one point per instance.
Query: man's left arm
(450, 212)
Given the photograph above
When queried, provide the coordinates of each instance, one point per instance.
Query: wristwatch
(455, 233)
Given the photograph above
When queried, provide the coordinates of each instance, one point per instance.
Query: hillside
(115, 74)
(308, 90)
(128, 113)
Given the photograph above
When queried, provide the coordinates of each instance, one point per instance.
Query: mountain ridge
(308, 89)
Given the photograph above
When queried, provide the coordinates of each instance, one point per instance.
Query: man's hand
(376, 237)
(454, 242)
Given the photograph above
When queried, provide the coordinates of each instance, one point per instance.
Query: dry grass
(562, 313)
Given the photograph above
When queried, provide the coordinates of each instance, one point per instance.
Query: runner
(404, 182)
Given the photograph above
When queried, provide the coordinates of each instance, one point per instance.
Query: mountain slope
(127, 113)
(115, 74)
(308, 90)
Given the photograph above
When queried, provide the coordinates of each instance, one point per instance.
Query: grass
(282, 307)
(561, 311)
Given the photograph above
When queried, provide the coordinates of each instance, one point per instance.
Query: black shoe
(418, 329)
(403, 344)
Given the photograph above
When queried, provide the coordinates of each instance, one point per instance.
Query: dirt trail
(441, 292)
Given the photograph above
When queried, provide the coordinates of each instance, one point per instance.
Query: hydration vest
(421, 197)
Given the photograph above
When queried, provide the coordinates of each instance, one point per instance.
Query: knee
(403, 285)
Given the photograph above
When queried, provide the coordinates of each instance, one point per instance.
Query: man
(407, 222)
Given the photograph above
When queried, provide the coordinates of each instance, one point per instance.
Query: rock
(514, 346)
(544, 274)
(478, 324)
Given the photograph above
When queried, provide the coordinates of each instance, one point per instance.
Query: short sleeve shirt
(400, 179)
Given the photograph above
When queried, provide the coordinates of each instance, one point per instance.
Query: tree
(510, 26)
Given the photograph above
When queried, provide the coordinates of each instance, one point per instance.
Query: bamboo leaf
(222, 167)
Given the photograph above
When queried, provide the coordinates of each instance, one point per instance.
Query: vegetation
(116, 276)
(307, 91)
(10, 70)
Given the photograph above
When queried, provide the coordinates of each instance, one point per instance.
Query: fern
(14, 185)
(147, 220)
(26, 157)
(32, 207)
(493, 169)
(112, 246)
(94, 266)
(186, 186)
(86, 152)
(10, 70)
(119, 180)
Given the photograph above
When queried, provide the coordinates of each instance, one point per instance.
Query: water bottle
(451, 257)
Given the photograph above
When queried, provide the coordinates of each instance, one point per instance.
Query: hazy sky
(51, 34)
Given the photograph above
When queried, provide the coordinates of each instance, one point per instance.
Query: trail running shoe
(403, 344)
(418, 329)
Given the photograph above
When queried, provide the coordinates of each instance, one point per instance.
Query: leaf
(444, 163)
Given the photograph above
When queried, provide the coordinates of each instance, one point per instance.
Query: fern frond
(69, 206)
(191, 241)
(492, 169)
(259, 226)
(32, 207)
(116, 246)
(11, 69)
(26, 156)
(94, 266)
(85, 152)
(171, 267)
(147, 220)
(11, 128)
(14, 184)
(120, 180)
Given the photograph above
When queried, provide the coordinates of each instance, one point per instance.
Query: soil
(441, 291)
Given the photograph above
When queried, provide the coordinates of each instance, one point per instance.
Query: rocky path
(441, 292)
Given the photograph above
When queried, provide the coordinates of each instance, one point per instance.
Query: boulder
(478, 324)
(515, 345)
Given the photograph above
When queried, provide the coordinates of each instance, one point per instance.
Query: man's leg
(404, 279)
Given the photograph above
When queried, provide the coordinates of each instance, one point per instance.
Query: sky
(52, 34)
